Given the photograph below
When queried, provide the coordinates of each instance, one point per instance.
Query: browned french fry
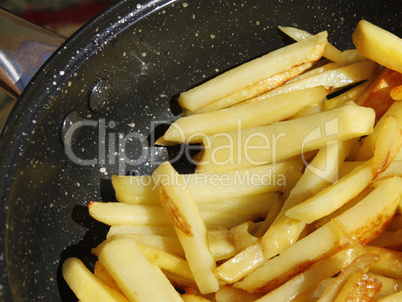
(253, 71)
(396, 93)
(194, 128)
(330, 52)
(189, 226)
(252, 90)
(378, 45)
(360, 264)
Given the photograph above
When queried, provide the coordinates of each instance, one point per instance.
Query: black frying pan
(116, 81)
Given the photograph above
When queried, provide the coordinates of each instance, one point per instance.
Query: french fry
(389, 285)
(276, 142)
(189, 226)
(396, 93)
(378, 45)
(167, 231)
(193, 298)
(85, 285)
(351, 185)
(389, 263)
(252, 90)
(114, 213)
(220, 243)
(307, 281)
(331, 52)
(359, 286)
(168, 244)
(133, 273)
(366, 151)
(259, 69)
(192, 129)
(391, 298)
(337, 290)
(102, 274)
(377, 94)
(210, 187)
(318, 245)
(228, 293)
(334, 78)
(389, 239)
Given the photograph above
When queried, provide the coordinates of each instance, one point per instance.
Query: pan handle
(24, 47)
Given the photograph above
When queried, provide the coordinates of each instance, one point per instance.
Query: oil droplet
(99, 95)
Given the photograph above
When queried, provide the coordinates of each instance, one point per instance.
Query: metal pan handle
(24, 47)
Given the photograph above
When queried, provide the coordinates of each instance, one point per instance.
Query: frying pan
(99, 102)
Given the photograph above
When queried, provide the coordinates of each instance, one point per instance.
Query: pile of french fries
(296, 195)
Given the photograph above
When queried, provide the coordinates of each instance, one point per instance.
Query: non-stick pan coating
(120, 76)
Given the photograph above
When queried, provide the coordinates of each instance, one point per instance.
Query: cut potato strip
(396, 93)
(331, 52)
(276, 142)
(366, 151)
(132, 272)
(209, 187)
(192, 129)
(338, 290)
(310, 249)
(378, 45)
(389, 263)
(334, 78)
(306, 282)
(335, 196)
(377, 95)
(86, 286)
(189, 226)
(252, 90)
(259, 69)
(167, 231)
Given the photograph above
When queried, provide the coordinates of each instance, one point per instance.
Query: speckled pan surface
(96, 107)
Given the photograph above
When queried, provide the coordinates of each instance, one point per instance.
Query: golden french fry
(331, 52)
(392, 298)
(389, 239)
(307, 281)
(193, 298)
(396, 93)
(318, 245)
(193, 128)
(252, 90)
(210, 187)
(366, 151)
(389, 285)
(378, 45)
(359, 286)
(389, 263)
(85, 285)
(340, 286)
(102, 274)
(259, 69)
(168, 244)
(189, 226)
(333, 78)
(228, 293)
(377, 95)
(133, 273)
(220, 243)
(115, 213)
(276, 142)
(167, 231)
(335, 196)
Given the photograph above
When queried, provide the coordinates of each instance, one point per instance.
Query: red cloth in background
(73, 15)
